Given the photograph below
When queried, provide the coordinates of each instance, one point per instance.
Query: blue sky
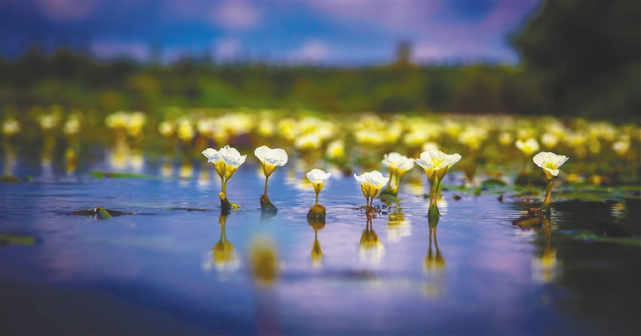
(319, 32)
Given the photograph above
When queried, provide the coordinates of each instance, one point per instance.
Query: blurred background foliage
(578, 59)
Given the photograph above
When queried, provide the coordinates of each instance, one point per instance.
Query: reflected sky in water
(177, 266)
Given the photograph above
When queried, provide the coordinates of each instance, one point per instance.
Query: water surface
(154, 272)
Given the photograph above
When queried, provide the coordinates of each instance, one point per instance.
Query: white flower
(271, 158)
(621, 147)
(371, 183)
(318, 179)
(232, 157)
(308, 141)
(185, 130)
(10, 127)
(166, 128)
(527, 147)
(398, 163)
(226, 160)
(549, 140)
(335, 150)
(505, 138)
(550, 163)
(49, 121)
(72, 126)
(430, 146)
(318, 176)
(436, 163)
(212, 155)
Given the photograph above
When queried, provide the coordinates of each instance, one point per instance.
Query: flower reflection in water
(263, 258)
(317, 253)
(545, 267)
(223, 255)
(434, 263)
(370, 250)
(397, 226)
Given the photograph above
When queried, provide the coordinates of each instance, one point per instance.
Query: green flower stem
(433, 211)
(548, 194)
(224, 183)
(434, 191)
(316, 199)
(266, 181)
(223, 233)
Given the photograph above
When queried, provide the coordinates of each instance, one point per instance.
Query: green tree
(587, 56)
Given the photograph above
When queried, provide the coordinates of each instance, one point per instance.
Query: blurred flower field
(494, 147)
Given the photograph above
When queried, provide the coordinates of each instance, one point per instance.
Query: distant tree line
(579, 59)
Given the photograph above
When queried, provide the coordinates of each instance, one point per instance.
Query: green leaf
(9, 179)
(7, 238)
(100, 174)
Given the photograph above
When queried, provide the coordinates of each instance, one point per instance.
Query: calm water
(153, 272)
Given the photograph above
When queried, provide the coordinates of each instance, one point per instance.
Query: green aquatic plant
(100, 174)
(371, 184)
(397, 166)
(14, 238)
(270, 158)
(436, 165)
(318, 179)
(9, 179)
(550, 163)
(226, 161)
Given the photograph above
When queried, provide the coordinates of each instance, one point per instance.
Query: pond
(159, 270)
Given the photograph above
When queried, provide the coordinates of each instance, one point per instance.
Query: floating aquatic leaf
(591, 237)
(188, 209)
(100, 174)
(533, 219)
(9, 179)
(493, 182)
(389, 198)
(12, 238)
(101, 213)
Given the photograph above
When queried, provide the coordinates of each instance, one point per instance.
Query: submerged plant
(550, 163)
(371, 184)
(318, 179)
(436, 164)
(226, 161)
(271, 158)
(397, 165)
